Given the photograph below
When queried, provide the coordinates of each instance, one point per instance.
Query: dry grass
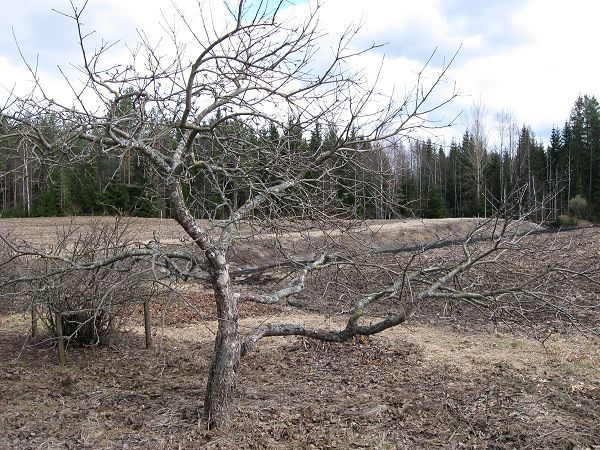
(433, 384)
(420, 387)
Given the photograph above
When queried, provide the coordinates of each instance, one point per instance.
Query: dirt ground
(419, 387)
(436, 383)
(38, 231)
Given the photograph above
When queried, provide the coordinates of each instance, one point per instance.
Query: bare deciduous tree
(477, 153)
(188, 119)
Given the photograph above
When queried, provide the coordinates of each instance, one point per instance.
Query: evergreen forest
(472, 177)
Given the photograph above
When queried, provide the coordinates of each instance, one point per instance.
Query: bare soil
(437, 383)
(378, 233)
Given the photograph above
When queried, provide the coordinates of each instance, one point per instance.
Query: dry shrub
(8, 265)
(90, 300)
(578, 206)
(565, 220)
(90, 304)
(10, 301)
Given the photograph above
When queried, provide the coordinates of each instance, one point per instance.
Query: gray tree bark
(226, 355)
(222, 376)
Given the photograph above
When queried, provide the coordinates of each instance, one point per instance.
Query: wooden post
(61, 342)
(34, 321)
(147, 328)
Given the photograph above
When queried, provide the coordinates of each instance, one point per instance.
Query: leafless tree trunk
(478, 155)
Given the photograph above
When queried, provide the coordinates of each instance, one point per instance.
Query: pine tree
(435, 204)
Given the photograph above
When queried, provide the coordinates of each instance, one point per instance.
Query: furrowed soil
(435, 383)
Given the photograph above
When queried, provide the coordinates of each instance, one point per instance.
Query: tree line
(470, 177)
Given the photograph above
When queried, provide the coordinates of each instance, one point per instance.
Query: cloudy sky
(532, 57)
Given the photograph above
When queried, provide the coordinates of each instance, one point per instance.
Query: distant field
(381, 233)
(40, 230)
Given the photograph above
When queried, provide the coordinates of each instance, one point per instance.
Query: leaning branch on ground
(492, 244)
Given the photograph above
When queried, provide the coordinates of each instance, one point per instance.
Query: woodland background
(403, 176)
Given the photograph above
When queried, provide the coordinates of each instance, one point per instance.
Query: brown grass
(433, 384)
(419, 387)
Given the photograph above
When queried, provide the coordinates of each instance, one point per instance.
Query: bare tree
(190, 119)
(477, 153)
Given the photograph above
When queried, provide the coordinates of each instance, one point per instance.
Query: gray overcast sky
(532, 57)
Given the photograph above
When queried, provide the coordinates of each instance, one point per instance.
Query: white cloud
(9, 74)
(533, 56)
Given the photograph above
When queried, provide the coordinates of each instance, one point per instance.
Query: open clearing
(437, 382)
